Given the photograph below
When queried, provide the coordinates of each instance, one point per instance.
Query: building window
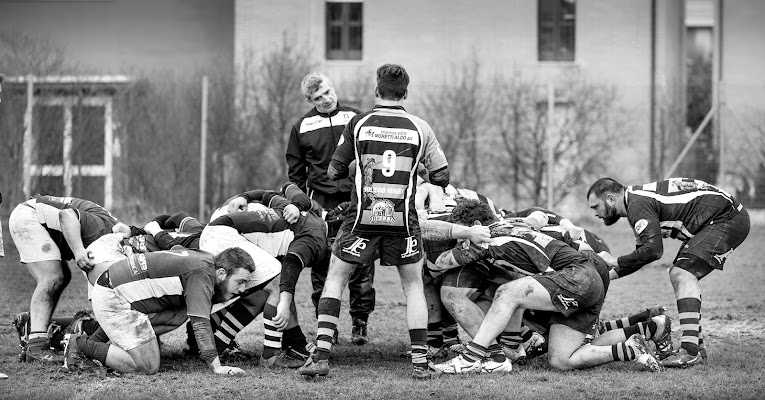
(345, 25)
(557, 29)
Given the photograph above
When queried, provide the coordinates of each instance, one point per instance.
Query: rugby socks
(475, 352)
(647, 329)
(626, 321)
(37, 341)
(435, 335)
(293, 338)
(329, 315)
(100, 336)
(272, 342)
(227, 323)
(689, 314)
(496, 353)
(419, 340)
(93, 349)
(450, 328)
(512, 339)
(622, 352)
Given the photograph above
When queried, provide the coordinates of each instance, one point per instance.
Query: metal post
(550, 143)
(717, 95)
(203, 152)
(28, 145)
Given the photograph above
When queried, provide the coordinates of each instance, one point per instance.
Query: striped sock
(512, 339)
(228, 322)
(496, 353)
(272, 340)
(475, 352)
(435, 335)
(622, 352)
(294, 338)
(689, 314)
(450, 328)
(419, 340)
(329, 316)
(647, 329)
(37, 341)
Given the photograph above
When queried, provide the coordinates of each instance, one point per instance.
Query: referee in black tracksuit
(312, 143)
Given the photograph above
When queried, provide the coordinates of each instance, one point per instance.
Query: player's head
(468, 211)
(232, 270)
(319, 91)
(603, 196)
(392, 82)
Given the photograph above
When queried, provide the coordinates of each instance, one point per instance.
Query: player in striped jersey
(135, 293)
(709, 221)
(387, 144)
(48, 231)
(556, 278)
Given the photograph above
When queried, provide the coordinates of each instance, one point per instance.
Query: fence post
(203, 152)
(550, 143)
(28, 145)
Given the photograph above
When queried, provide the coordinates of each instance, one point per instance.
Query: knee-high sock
(419, 341)
(228, 322)
(689, 314)
(272, 342)
(329, 313)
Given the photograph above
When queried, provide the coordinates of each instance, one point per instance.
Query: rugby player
(560, 280)
(709, 221)
(48, 231)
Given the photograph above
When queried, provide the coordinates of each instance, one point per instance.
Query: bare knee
(560, 363)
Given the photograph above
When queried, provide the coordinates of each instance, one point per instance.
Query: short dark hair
(468, 211)
(233, 258)
(392, 81)
(603, 186)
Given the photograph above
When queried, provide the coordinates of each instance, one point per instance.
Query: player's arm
(432, 229)
(463, 254)
(344, 154)
(69, 221)
(207, 352)
(164, 240)
(434, 159)
(297, 167)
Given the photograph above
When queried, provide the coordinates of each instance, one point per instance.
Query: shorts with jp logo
(391, 250)
(708, 249)
(578, 293)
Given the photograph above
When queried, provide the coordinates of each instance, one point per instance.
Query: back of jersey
(388, 144)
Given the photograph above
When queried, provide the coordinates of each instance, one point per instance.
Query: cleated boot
(681, 359)
(459, 365)
(423, 373)
(643, 354)
(359, 333)
(492, 367)
(314, 368)
(663, 336)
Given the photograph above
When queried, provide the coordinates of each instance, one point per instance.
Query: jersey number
(388, 163)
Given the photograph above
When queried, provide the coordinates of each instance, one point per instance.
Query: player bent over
(709, 221)
(173, 284)
(565, 282)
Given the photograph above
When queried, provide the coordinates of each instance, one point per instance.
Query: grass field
(733, 321)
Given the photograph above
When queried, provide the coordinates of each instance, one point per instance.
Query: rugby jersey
(677, 208)
(312, 142)
(388, 143)
(95, 221)
(162, 280)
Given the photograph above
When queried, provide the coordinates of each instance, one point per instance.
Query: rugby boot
(459, 365)
(282, 360)
(681, 359)
(314, 368)
(493, 367)
(21, 325)
(663, 336)
(424, 373)
(643, 354)
(359, 333)
(515, 354)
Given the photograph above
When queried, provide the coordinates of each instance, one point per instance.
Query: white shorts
(31, 238)
(215, 239)
(127, 328)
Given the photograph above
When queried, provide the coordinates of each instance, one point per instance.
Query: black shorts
(578, 294)
(709, 248)
(392, 250)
